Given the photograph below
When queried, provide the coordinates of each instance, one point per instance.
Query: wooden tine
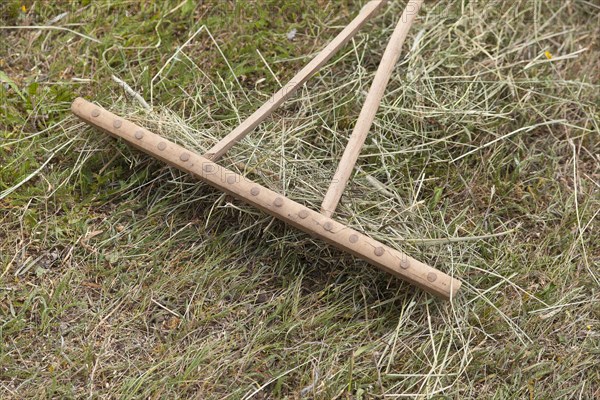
(341, 236)
(368, 11)
(369, 109)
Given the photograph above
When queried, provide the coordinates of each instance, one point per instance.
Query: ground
(123, 278)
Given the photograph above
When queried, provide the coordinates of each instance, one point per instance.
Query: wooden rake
(287, 210)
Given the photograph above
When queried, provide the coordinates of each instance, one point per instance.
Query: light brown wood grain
(368, 11)
(369, 109)
(287, 210)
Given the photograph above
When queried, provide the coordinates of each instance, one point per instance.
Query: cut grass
(122, 278)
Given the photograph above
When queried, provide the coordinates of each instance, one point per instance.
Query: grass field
(123, 278)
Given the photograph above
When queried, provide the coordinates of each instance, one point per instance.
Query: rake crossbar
(282, 208)
(369, 10)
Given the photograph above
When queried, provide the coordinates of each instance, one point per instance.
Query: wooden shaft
(312, 222)
(218, 150)
(369, 109)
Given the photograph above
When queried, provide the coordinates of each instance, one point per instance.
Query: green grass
(123, 278)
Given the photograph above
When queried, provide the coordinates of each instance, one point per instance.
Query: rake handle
(369, 109)
(288, 211)
(368, 11)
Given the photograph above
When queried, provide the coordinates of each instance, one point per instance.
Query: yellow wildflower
(548, 55)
